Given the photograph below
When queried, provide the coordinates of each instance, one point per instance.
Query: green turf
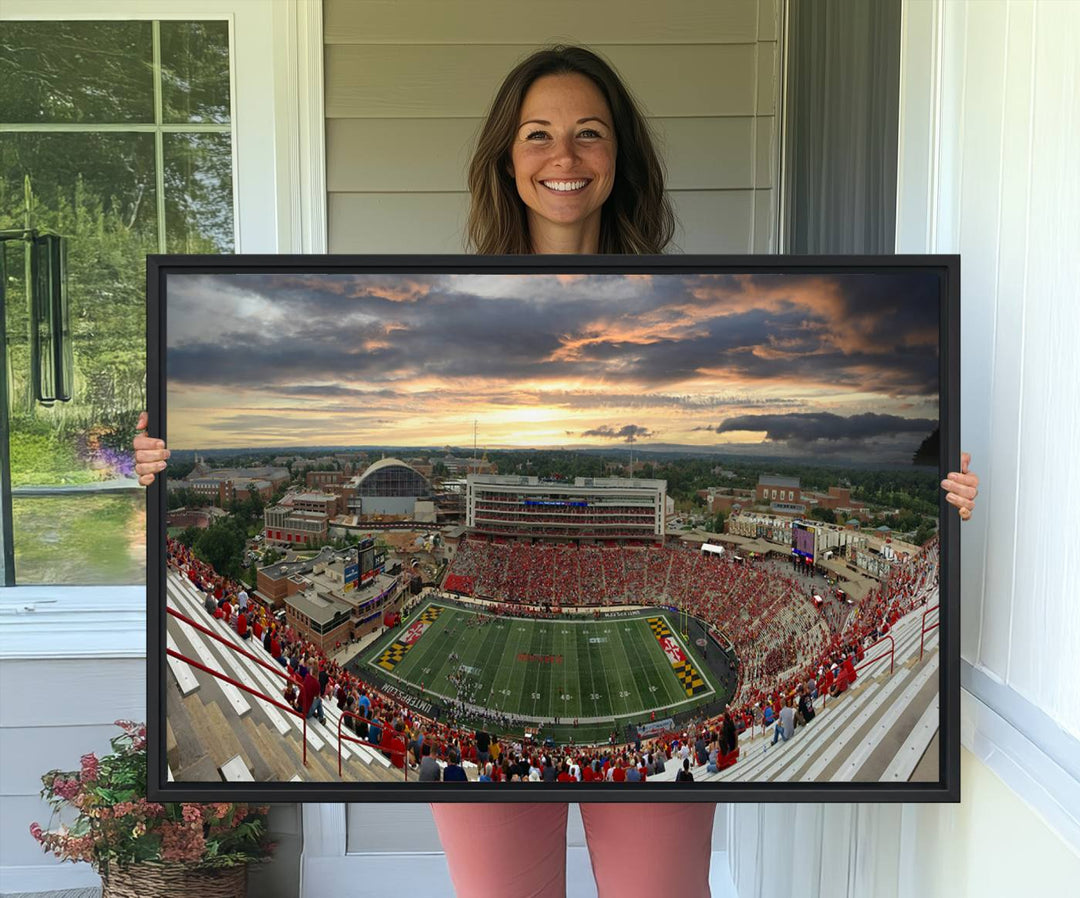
(627, 675)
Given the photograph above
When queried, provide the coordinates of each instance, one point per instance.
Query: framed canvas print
(553, 528)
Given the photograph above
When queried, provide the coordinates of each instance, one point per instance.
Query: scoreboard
(802, 540)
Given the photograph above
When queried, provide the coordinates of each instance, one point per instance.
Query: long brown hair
(637, 216)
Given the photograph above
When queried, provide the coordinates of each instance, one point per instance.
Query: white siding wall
(989, 149)
(408, 82)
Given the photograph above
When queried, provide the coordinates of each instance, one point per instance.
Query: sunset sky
(813, 366)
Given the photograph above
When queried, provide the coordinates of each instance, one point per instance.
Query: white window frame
(279, 165)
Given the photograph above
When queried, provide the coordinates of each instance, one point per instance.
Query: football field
(541, 669)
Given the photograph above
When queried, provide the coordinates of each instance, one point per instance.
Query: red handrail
(891, 653)
(926, 629)
(240, 685)
(229, 644)
(287, 676)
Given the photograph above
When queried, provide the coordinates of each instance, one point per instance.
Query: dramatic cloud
(628, 432)
(533, 359)
(807, 427)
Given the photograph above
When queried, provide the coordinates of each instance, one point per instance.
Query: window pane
(198, 193)
(195, 72)
(81, 540)
(76, 72)
(97, 190)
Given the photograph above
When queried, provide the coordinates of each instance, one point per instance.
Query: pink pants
(519, 850)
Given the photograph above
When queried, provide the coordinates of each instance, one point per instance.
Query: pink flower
(219, 809)
(192, 813)
(181, 842)
(36, 831)
(65, 788)
(89, 767)
(151, 808)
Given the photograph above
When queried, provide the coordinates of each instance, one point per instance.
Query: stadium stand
(782, 640)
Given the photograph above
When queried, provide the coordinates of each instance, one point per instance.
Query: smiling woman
(565, 164)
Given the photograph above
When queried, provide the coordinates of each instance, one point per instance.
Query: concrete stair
(210, 721)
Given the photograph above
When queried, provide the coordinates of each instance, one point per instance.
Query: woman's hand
(150, 454)
(961, 487)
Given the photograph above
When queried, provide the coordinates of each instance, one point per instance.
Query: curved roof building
(391, 487)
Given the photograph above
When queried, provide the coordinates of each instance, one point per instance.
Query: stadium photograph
(509, 529)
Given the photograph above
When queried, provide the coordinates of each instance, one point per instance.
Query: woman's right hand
(150, 453)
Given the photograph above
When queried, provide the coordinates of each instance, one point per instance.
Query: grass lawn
(80, 540)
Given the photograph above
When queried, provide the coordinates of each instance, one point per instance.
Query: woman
(565, 164)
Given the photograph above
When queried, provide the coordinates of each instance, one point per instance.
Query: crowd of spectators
(788, 656)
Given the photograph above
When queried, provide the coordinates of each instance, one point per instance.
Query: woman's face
(563, 154)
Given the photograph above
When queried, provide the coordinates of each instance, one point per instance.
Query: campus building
(389, 487)
(590, 509)
(334, 597)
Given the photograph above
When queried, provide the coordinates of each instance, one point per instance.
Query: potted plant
(141, 847)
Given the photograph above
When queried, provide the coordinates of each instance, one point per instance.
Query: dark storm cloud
(808, 427)
(263, 366)
(865, 332)
(628, 432)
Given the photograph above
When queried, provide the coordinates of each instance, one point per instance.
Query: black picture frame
(946, 789)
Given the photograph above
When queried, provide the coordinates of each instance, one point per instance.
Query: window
(117, 136)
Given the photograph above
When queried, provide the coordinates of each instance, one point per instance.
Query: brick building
(771, 488)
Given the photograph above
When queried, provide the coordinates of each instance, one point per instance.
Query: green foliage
(221, 545)
(927, 453)
(184, 498)
(99, 191)
(925, 531)
(189, 535)
(39, 457)
(827, 515)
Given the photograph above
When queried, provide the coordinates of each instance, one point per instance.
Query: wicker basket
(168, 880)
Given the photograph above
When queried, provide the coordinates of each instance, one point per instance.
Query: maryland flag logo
(391, 656)
(692, 681)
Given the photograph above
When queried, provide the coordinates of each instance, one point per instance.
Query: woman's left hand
(962, 487)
